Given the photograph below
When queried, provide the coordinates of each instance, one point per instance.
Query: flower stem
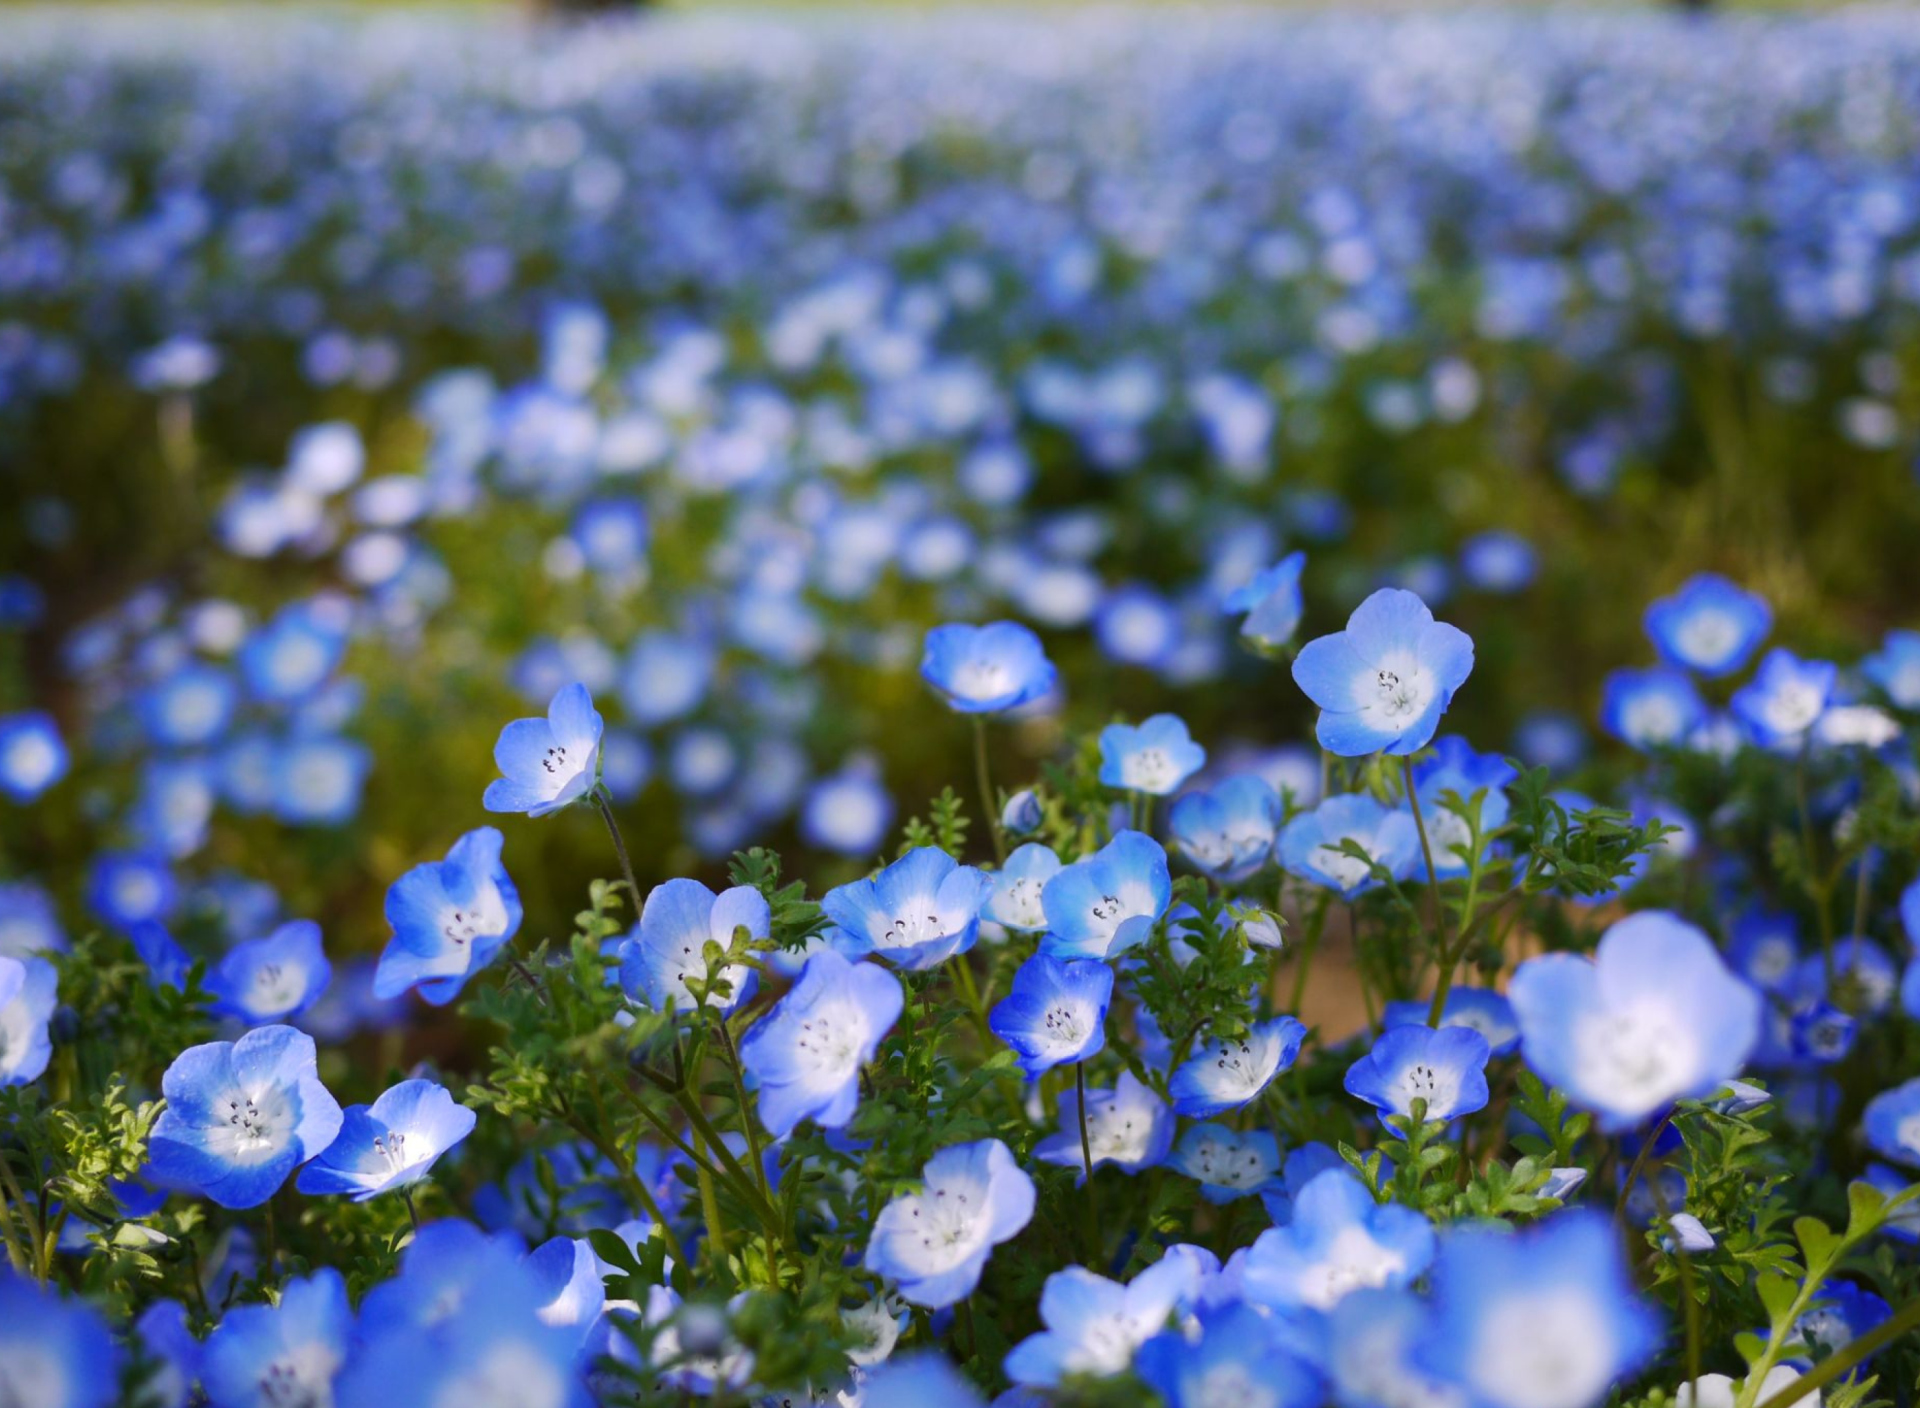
(984, 776)
(1426, 849)
(1086, 1153)
(602, 800)
(406, 1196)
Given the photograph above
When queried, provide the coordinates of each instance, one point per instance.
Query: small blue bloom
(668, 946)
(54, 1353)
(847, 813)
(571, 1281)
(390, 1144)
(1895, 667)
(1128, 1126)
(1227, 1163)
(128, 887)
(922, 1380)
(1094, 1325)
(987, 669)
(1764, 947)
(1104, 905)
(1858, 975)
(261, 1356)
(1498, 561)
(1055, 1012)
(1446, 1068)
(1271, 603)
(1481, 1009)
(935, 1243)
(1370, 1353)
(1651, 709)
(273, 979)
(292, 656)
(1892, 1123)
(1224, 1075)
(167, 963)
(241, 1116)
(190, 708)
(1843, 1313)
(546, 764)
(1309, 846)
(317, 780)
(32, 755)
(1018, 885)
(29, 924)
(917, 913)
(1021, 816)
(612, 537)
(1154, 758)
(1710, 625)
(665, 678)
(1455, 767)
(449, 918)
(1383, 683)
(1338, 1241)
(806, 1054)
(27, 999)
(1227, 832)
(1785, 698)
(172, 1351)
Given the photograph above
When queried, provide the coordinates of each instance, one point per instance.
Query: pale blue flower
(392, 1143)
(934, 1244)
(1383, 683)
(549, 763)
(1154, 758)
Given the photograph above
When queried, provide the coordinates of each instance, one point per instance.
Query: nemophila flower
(1498, 561)
(1018, 886)
(1710, 625)
(1445, 1068)
(174, 1353)
(167, 963)
(1383, 683)
(1456, 768)
(1021, 815)
(190, 708)
(291, 1351)
(128, 887)
(668, 946)
(1764, 947)
(1128, 1126)
(1094, 1325)
(449, 918)
(32, 755)
(1652, 708)
(935, 1243)
(1785, 698)
(1237, 1360)
(392, 1143)
(923, 1380)
(1895, 667)
(1226, 1163)
(1653, 1017)
(1226, 1074)
(805, 1055)
(1843, 1313)
(1259, 927)
(1338, 1241)
(1310, 844)
(1227, 832)
(612, 536)
(241, 1116)
(916, 913)
(291, 656)
(987, 669)
(1855, 726)
(29, 924)
(1481, 1009)
(28, 993)
(273, 979)
(1103, 905)
(54, 1353)
(546, 764)
(1271, 602)
(1687, 1233)
(1903, 1223)
(573, 1289)
(1055, 1012)
(317, 780)
(1892, 1123)
(1154, 757)
(1547, 1317)
(1719, 1391)
(1370, 1354)
(665, 677)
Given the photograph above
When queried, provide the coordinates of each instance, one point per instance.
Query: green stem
(406, 1195)
(603, 800)
(26, 1263)
(984, 776)
(1086, 1153)
(1316, 924)
(1839, 1362)
(1638, 1165)
(1426, 849)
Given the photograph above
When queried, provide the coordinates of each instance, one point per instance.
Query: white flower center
(1117, 1132)
(1543, 1349)
(1344, 870)
(1020, 905)
(1439, 1088)
(276, 988)
(31, 760)
(1793, 706)
(1353, 1262)
(1149, 770)
(982, 679)
(1397, 693)
(509, 1375)
(1651, 717)
(250, 1127)
(300, 1378)
(830, 1041)
(950, 1220)
(1707, 637)
(1637, 1058)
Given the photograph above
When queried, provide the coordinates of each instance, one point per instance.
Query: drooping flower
(1337, 1241)
(987, 669)
(1226, 1074)
(1055, 1012)
(572, 1282)
(1227, 1164)
(27, 999)
(1652, 708)
(546, 764)
(241, 1116)
(54, 1353)
(668, 946)
(1104, 905)
(1843, 1313)
(1271, 602)
(1017, 887)
(1154, 757)
(1481, 1009)
(1785, 698)
(916, 914)
(32, 755)
(392, 1143)
(449, 919)
(1310, 844)
(805, 1055)
(1710, 625)
(1383, 683)
(262, 1356)
(935, 1243)
(1094, 1325)
(1654, 1017)
(1128, 1126)
(1457, 768)
(273, 979)
(1227, 832)
(1445, 1068)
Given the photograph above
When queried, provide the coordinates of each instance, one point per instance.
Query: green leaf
(1818, 1244)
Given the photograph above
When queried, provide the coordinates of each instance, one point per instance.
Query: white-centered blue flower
(1650, 709)
(54, 1352)
(273, 979)
(546, 764)
(1104, 905)
(392, 1143)
(805, 1055)
(292, 1351)
(1892, 1123)
(190, 708)
(1094, 1325)
(1238, 1360)
(1653, 1017)
(916, 914)
(27, 999)
(1764, 947)
(1383, 683)
(1710, 625)
(1227, 1163)
(29, 923)
(1018, 885)
(1128, 1126)
(934, 1244)
(1370, 1352)
(1895, 668)
(32, 755)
(290, 657)
(922, 1380)
(1227, 832)
(1153, 757)
(449, 919)
(1310, 846)
(1456, 768)
(987, 669)
(1446, 1068)
(1338, 1241)
(1271, 602)
(668, 946)
(1481, 1009)
(1785, 698)
(175, 1354)
(1055, 1011)
(1226, 1074)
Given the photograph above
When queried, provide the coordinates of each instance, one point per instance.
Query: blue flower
(1446, 1068)
(1021, 815)
(1498, 561)
(1892, 1123)
(922, 1380)
(1128, 1126)
(1227, 1163)
(847, 813)
(1764, 947)
(1842, 1314)
(54, 1353)
(1154, 758)
(1109, 902)
(806, 1054)
(1481, 1009)
(261, 1356)
(167, 963)
(32, 755)
(546, 764)
(1370, 1353)
(1651, 709)
(1094, 1325)
(241, 1116)
(317, 780)
(668, 946)
(29, 923)
(289, 658)
(917, 913)
(1310, 843)
(1548, 1316)
(1227, 832)
(987, 669)
(1785, 698)
(1654, 1017)
(1018, 886)
(390, 1144)
(666, 677)
(449, 918)
(1455, 767)
(1224, 1075)
(27, 998)
(273, 979)
(612, 537)
(1338, 1241)
(1383, 683)
(1271, 602)
(571, 1280)
(1895, 667)
(1055, 1012)
(190, 708)
(1710, 625)
(174, 1353)
(935, 1243)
